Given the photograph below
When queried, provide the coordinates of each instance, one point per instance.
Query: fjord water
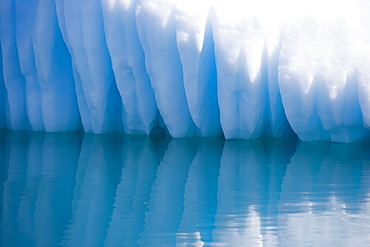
(76, 189)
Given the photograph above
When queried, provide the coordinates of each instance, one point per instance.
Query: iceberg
(242, 69)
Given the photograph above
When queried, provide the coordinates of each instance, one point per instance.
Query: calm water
(70, 189)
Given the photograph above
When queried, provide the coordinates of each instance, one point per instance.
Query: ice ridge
(194, 68)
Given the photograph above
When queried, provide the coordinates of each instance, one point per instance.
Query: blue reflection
(75, 189)
(38, 187)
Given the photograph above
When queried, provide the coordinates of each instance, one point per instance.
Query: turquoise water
(71, 189)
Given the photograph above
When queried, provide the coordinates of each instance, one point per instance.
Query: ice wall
(242, 69)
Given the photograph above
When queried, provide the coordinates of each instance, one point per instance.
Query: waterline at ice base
(242, 69)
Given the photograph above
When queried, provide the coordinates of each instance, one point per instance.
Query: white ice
(242, 69)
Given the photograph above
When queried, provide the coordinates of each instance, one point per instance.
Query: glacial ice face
(243, 69)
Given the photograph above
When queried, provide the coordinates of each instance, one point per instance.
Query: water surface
(75, 189)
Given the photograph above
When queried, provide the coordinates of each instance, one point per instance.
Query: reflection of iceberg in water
(327, 188)
(38, 187)
(15, 156)
(166, 200)
(56, 181)
(133, 191)
(116, 190)
(200, 198)
(248, 190)
(92, 203)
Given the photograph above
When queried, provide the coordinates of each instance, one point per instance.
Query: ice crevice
(194, 68)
